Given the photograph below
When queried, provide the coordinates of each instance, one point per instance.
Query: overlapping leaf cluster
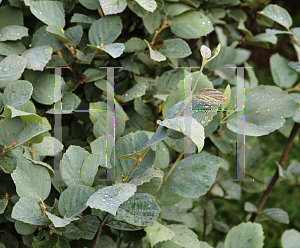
(150, 202)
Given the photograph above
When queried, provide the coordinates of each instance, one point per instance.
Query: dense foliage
(158, 197)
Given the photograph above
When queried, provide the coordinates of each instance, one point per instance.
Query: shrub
(102, 103)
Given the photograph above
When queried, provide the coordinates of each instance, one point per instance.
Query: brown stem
(60, 55)
(139, 160)
(286, 150)
(7, 149)
(158, 31)
(152, 100)
(31, 152)
(120, 241)
(71, 49)
(297, 87)
(295, 39)
(3, 152)
(100, 230)
(176, 162)
(43, 207)
(74, 68)
(205, 213)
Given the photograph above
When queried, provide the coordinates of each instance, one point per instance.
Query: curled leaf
(211, 96)
(218, 49)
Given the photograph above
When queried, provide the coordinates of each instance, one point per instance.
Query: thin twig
(152, 100)
(100, 230)
(204, 62)
(176, 162)
(7, 149)
(120, 241)
(31, 152)
(296, 88)
(286, 150)
(205, 213)
(158, 31)
(295, 39)
(138, 162)
(74, 73)
(201, 69)
(60, 55)
(4, 151)
(71, 49)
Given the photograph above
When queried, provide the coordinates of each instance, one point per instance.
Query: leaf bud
(218, 49)
(205, 52)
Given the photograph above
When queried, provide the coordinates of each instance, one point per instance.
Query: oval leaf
(72, 201)
(283, 75)
(17, 93)
(278, 14)
(204, 170)
(191, 25)
(28, 210)
(140, 210)
(266, 108)
(37, 57)
(48, 12)
(113, 6)
(31, 180)
(179, 124)
(111, 197)
(248, 235)
(175, 48)
(13, 32)
(290, 239)
(105, 30)
(11, 68)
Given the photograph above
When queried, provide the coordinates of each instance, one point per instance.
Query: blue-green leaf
(278, 14)
(48, 12)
